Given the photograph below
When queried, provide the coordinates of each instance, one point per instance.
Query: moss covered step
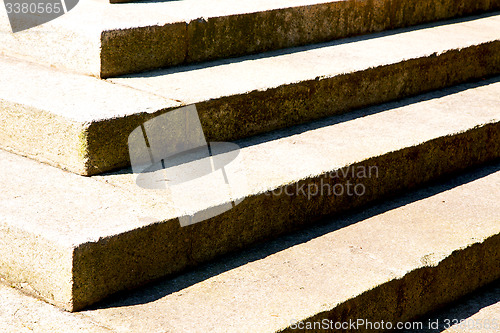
(106, 40)
(74, 240)
(82, 124)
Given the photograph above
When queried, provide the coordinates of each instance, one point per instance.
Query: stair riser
(101, 146)
(234, 117)
(110, 265)
(418, 292)
(139, 49)
(390, 263)
(117, 48)
(252, 96)
(238, 116)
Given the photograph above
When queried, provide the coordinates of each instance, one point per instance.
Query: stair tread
(305, 276)
(82, 124)
(267, 163)
(309, 276)
(272, 160)
(89, 221)
(76, 97)
(106, 40)
(197, 83)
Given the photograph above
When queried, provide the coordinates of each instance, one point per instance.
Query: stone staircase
(363, 185)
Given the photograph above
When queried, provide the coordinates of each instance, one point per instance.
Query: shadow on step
(476, 310)
(159, 289)
(296, 49)
(337, 119)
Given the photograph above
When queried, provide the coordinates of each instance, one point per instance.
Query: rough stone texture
(105, 40)
(142, 48)
(235, 35)
(479, 312)
(100, 235)
(392, 262)
(257, 94)
(56, 121)
(50, 120)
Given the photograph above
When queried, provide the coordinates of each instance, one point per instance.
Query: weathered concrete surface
(48, 213)
(85, 127)
(46, 115)
(106, 40)
(96, 236)
(20, 314)
(257, 94)
(392, 262)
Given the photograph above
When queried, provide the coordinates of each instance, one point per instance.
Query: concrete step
(106, 40)
(73, 240)
(391, 263)
(83, 124)
(478, 312)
